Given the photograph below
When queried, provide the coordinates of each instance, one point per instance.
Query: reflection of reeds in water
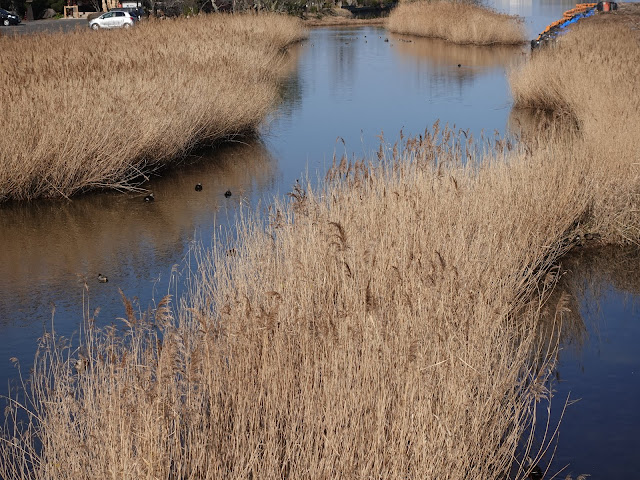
(50, 242)
(589, 273)
(440, 52)
(596, 269)
(586, 277)
(564, 300)
(449, 62)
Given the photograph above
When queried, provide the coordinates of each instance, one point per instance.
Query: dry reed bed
(356, 335)
(396, 323)
(98, 109)
(589, 85)
(457, 22)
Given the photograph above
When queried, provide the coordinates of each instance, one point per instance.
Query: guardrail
(580, 11)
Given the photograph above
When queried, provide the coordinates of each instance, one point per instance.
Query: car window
(107, 15)
(120, 14)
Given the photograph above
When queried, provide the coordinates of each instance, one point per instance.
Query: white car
(112, 20)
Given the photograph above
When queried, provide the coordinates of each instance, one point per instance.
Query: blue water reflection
(353, 84)
(601, 369)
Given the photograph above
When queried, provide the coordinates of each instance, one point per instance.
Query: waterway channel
(347, 87)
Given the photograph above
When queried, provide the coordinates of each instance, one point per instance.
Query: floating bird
(459, 65)
(149, 198)
(198, 187)
(536, 473)
(102, 278)
(227, 193)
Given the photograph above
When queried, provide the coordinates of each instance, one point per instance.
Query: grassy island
(101, 109)
(456, 22)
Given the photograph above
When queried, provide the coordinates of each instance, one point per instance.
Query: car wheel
(95, 26)
(6, 22)
(127, 25)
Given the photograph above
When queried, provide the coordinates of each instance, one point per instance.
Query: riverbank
(456, 22)
(93, 110)
(589, 88)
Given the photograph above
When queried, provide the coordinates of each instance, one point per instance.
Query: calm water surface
(599, 366)
(345, 84)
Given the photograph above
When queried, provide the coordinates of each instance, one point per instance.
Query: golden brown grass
(357, 335)
(397, 322)
(590, 88)
(99, 109)
(457, 22)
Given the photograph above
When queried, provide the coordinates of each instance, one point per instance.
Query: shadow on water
(597, 375)
(533, 127)
(51, 248)
(454, 66)
(598, 371)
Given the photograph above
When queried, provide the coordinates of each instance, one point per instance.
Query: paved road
(45, 26)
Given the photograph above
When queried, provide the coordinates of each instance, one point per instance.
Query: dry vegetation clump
(100, 109)
(457, 22)
(385, 326)
(590, 85)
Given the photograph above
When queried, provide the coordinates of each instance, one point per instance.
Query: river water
(347, 87)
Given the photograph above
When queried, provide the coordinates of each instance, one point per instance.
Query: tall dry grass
(99, 109)
(589, 85)
(397, 322)
(381, 327)
(457, 22)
